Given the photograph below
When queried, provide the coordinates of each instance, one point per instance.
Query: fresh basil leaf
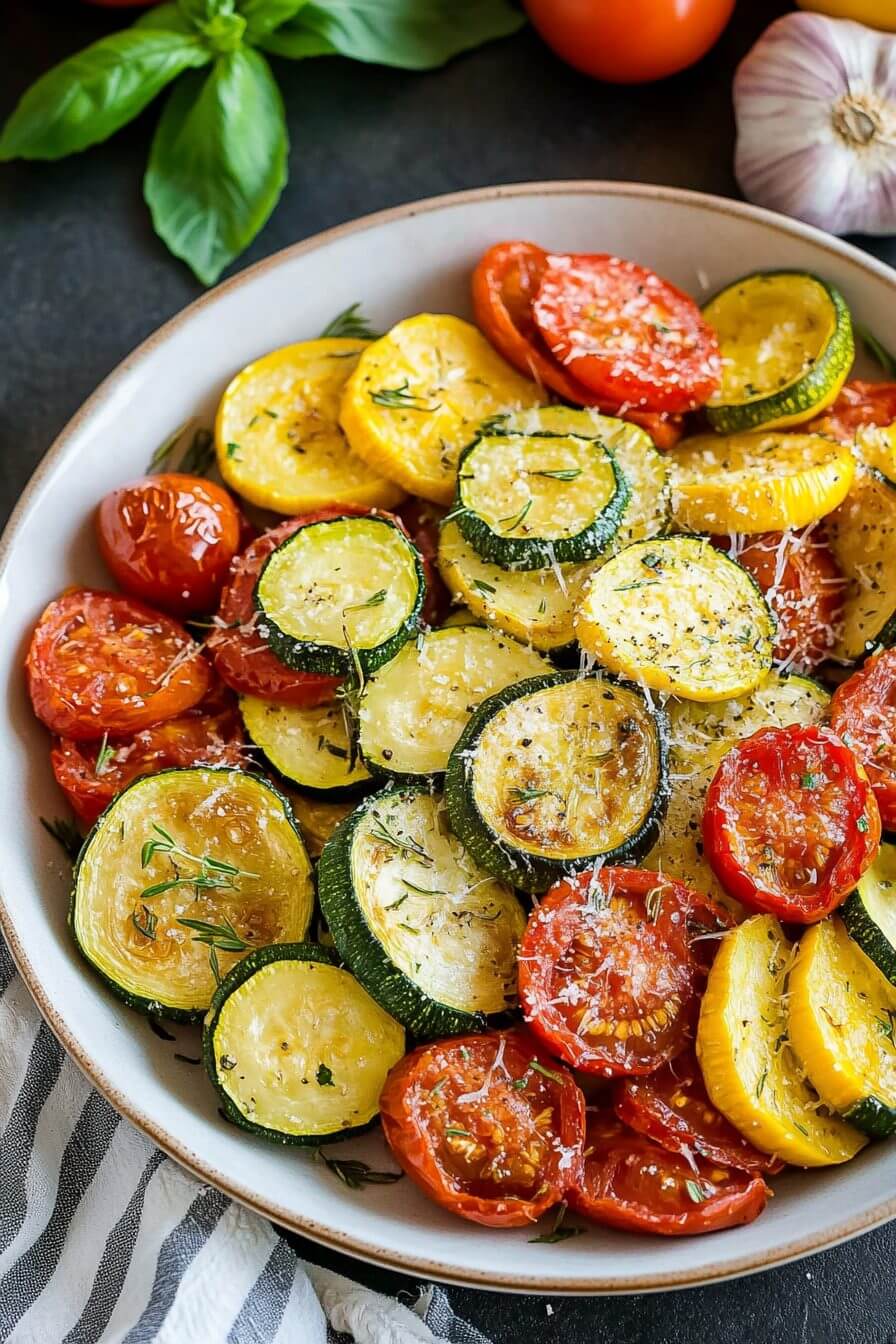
(167, 18)
(218, 162)
(91, 95)
(413, 34)
(295, 43)
(263, 16)
(198, 12)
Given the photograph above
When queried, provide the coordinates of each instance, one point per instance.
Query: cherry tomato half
(486, 1126)
(505, 283)
(102, 663)
(627, 334)
(858, 404)
(92, 774)
(673, 1108)
(863, 713)
(803, 586)
(607, 979)
(631, 1183)
(169, 540)
(630, 41)
(791, 822)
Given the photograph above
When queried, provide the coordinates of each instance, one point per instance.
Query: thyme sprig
(402, 398)
(352, 324)
(355, 1173)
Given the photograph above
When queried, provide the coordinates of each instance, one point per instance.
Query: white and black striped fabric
(104, 1240)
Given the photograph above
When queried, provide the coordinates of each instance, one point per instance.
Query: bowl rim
(199, 1167)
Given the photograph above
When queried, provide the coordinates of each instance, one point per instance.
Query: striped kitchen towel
(103, 1238)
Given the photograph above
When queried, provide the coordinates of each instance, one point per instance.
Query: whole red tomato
(630, 41)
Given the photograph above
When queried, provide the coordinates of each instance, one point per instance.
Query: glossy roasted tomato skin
(631, 1183)
(626, 333)
(858, 404)
(802, 584)
(863, 714)
(505, 283)
(790, 822)
(589, 941)
(169, 540)
(91, 774)
(630, 41)
(102, 663)
(672, 1107)
(488, 1126)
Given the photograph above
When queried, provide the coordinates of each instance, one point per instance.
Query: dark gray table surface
(83, 280)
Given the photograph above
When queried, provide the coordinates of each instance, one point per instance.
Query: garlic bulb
(815, 102)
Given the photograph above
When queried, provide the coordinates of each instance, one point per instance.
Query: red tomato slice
(673, 1108)
(858, 404)
(630, 336)
(607, 979)
(863, 713)
(92, 774)
(101, 663)
(169, 540)
(505, 283)
(790, 822)
(803, 586)
(486, 1126)
(631, 1183)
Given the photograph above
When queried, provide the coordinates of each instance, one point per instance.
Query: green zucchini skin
(147, 1006)
(329, 659)
(868, 936)
(238, 975)
(534, 552)
(530, 872)
(873, 1118)
(808, 391)
(423, 1017)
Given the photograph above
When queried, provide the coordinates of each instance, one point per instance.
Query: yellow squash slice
(758, 482)
(418, 395)
(750, 1070)
(277, 434)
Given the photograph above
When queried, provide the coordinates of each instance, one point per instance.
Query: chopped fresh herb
(696, 1192)
(422, 891)
(409, 928)
(464, 1053)
(354, 1173)
(485, 588)
(886, 1025)
(65, 833)
(222, 936)
(324, 744)
(546, 1073)
(402, 398)
(273, 415)
(213, 873)
(376, 600)
(233, 451)
(395, 904)
(760, 1086)
(404, 844)
(862, 825)
(652, 561)
(214, 964)
(519, 1083)
(527, 795)
(542, 607)
(164, 450)
(561, 1231)
(351, 324)
(434, 1091)
(324, 1076)
(148, 925)
(457, 1131)
(515, 520)
(811, 780)
(103, 756)
(802, 1128)
(561, 474)
(636, 583)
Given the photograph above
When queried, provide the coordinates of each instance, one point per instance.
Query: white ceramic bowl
(399, 262)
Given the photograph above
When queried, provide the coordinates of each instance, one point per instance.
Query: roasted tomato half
(608, 974)
(863, 713)
(487, 1126)
(859, 404)
(790, 822)
(102, 663)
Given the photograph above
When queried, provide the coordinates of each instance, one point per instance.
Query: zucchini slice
(535, 606)
(298, 1051)
(341, 593)
(309, 747)
(787, 347)
(870, 912)
(557, 772)
(527, 501)
(699, 736)
(318, 818)
(749, 1068)
(418, 395)
(677, 615)
(277, 434)
(758, 482)
(217, 846)
(429, 935)
(862, 537)
(842, 1024)
(414, 709)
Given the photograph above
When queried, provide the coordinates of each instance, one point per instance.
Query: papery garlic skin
(815, 103)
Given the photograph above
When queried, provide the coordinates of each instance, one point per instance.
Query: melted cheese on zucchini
(678, 615)
(302, 1049)
(418, 396)
(307, 745)
(414, 708)
(568, 771)
(450, 928)
(749, 1067)
(862, 537)
(277, 433)
(352, 580)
